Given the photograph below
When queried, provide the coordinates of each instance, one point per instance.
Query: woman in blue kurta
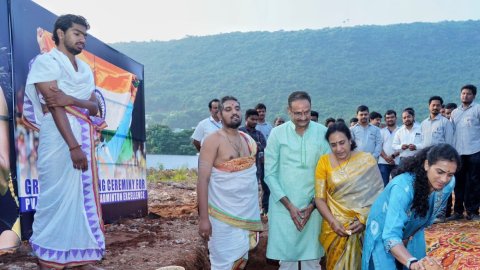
(394, 237)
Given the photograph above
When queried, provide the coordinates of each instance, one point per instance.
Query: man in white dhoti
(227, 190)
(59, 100)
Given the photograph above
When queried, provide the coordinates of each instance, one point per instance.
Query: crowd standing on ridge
(357, 196)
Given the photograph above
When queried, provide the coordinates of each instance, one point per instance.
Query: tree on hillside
(162, 140)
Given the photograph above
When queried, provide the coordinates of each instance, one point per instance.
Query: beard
(72, 49)
(233, 124)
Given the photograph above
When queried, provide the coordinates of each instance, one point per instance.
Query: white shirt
(437, 130)
(204, 128)
(466, 122)
(387, 139)
(405, 136)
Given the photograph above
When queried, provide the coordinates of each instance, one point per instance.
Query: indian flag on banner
(116, 86)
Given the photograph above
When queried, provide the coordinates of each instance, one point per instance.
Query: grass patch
(178, 175)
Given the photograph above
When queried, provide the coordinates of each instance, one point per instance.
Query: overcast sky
(144, 20)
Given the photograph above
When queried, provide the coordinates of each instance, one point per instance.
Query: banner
(9, 214)
(119, 90)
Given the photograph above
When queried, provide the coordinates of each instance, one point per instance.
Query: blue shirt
(436, 130)
(466, 122)
(368, 139)
(265, 128)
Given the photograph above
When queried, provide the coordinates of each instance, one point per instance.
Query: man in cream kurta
(292, 153)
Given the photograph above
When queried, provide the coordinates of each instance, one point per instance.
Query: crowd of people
(360, 196)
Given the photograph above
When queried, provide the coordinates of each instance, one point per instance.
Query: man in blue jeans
(388, 159)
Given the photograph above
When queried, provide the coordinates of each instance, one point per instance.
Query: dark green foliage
(162, 140)
(383, 67)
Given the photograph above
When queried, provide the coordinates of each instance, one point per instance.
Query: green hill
(383, 67)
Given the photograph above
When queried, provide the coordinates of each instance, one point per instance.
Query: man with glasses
(291, 156)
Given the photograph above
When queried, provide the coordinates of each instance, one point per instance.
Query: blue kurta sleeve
(417, 245)
(396, 215)
(272, 166)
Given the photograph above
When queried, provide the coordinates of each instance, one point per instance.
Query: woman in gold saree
(346, 185)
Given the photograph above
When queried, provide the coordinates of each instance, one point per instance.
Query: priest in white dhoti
(227, 190)
(59, 102)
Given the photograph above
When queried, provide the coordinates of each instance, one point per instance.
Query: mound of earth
(167, 236)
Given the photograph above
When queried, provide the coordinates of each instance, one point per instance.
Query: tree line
(163, 140)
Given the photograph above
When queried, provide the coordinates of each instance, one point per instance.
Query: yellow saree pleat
(349, 193)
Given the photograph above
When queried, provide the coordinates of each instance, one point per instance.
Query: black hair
(225, 99)
(410, 111)
(260, 106)
(439, 98)
(341, 127)
(314, 113)
(451, 106)
(64, 22)
(375, 115)
(362, 108)
(470, 87)
(353, 119)
(212, 101)
(298, 95)
(250, 112)
(415, 166)
(340, 120)
(328, 120)
(390, 112)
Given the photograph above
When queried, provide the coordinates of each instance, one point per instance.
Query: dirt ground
(167, 236)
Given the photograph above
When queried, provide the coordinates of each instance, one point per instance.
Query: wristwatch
(410, 261)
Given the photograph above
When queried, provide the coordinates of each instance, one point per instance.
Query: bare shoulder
(212, 139)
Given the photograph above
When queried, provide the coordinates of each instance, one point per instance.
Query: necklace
(342, 169)
(235, 146)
